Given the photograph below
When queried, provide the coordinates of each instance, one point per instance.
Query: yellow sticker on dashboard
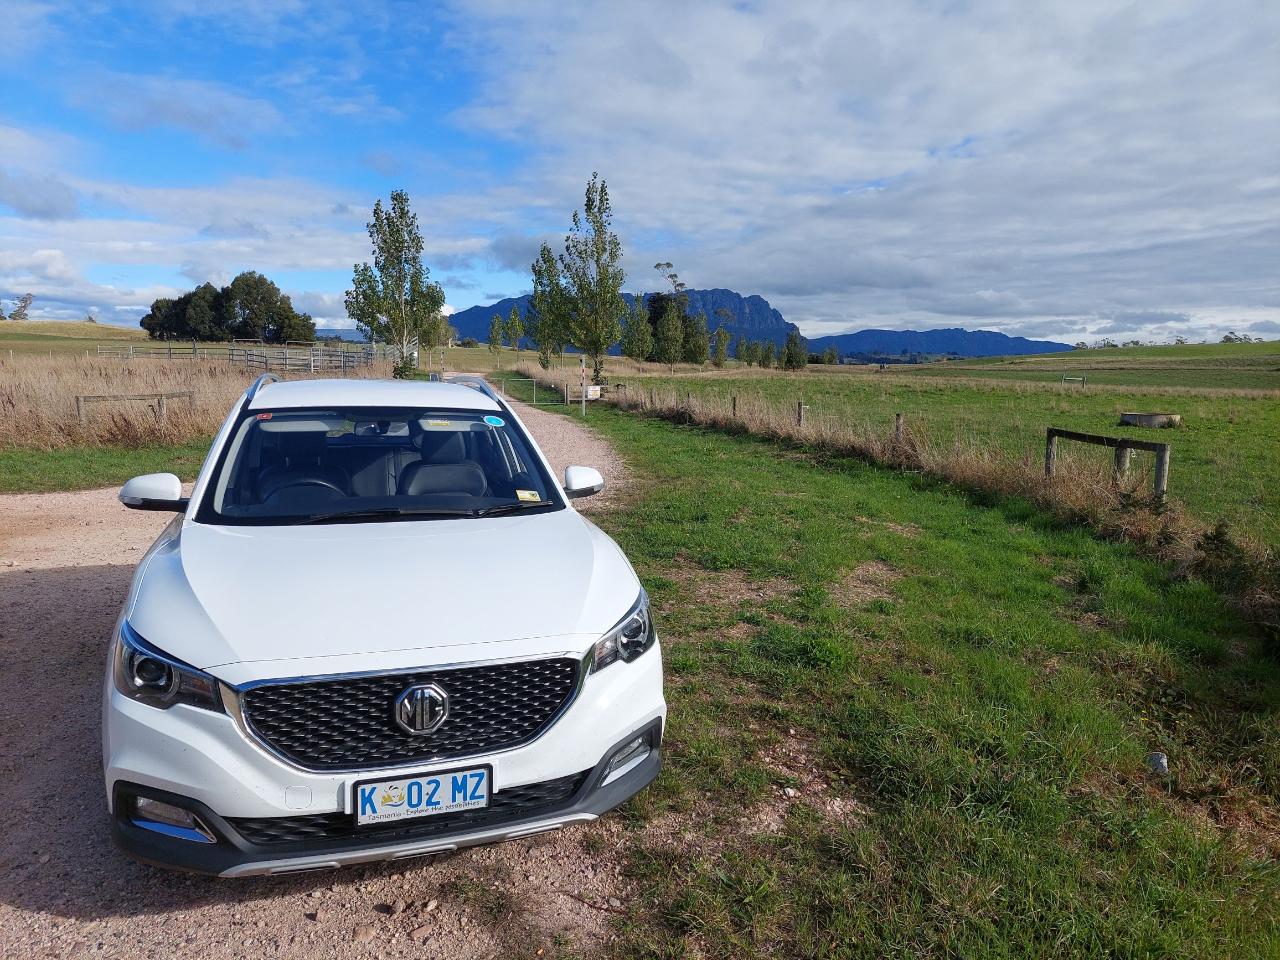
(529, 496)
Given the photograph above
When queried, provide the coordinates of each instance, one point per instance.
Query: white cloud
(41, 197)
(1052, 168)
(1002, 160)
(212, 111)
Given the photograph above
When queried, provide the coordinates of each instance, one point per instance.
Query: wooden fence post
(897, 428)
(80, 410)
(799, 413)
(1122, 463)
(734, 406)
(1162, 472)
(1050, 452)
(161, 410)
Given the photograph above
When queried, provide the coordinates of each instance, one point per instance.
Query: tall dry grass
(1084, 489)
(38, 405)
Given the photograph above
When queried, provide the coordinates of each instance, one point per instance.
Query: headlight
(632, 636)
(150, 676)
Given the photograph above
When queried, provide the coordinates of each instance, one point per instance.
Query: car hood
(387, 595)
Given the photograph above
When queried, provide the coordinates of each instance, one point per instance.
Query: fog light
(160, 817)
(626, 758)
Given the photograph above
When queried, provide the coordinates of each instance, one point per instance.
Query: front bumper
(234, 855)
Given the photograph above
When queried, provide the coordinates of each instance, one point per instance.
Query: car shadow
(56, 852)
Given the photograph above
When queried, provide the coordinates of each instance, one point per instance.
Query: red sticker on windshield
(264, 416)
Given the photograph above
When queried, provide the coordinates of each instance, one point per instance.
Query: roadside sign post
(582, 375)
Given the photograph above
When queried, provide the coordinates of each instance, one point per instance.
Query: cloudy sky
(1075, 169)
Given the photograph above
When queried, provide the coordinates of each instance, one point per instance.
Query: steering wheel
(313, 482)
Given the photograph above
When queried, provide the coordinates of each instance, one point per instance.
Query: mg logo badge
(421, 709)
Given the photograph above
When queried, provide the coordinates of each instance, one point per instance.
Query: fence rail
(159, 402)
(309, 359)
(1123, 446)
(553, 393)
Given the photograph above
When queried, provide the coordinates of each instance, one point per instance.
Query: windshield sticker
(493, 421)
(528, 496)
(437, 423)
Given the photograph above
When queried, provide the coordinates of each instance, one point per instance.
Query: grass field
(57, 337)
(1224, 460)
(906, 724)
(1253, 366)
(86, 468)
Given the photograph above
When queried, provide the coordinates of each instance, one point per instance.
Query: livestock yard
(912, 711)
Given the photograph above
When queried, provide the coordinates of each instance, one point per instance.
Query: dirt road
(65, 564)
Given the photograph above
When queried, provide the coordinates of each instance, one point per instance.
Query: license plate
(381, 801)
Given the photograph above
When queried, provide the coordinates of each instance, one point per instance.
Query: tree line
(576, 303)
(250, 307)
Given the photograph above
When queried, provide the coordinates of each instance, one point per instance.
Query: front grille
(349, 724)
(514, 803)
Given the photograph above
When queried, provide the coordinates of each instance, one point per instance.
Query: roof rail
(258, 384)
(476, 383)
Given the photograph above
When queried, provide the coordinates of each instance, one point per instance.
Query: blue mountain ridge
(750, 317)
(953, 340)
(753, 317)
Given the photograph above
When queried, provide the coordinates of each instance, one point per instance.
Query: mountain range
(951, 340)
(752, 317)
(749, 317)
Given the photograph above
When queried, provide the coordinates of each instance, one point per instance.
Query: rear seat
(374, 471)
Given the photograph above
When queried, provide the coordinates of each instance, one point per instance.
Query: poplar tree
(548, 316)
(721, 352)
(795, 355)
(495, 334)
(514, 328)
(593, 277)
(697, 348)
(637, 334)
(393, 300)
(668, 344)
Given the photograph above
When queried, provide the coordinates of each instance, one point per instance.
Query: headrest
(308, 445)
(464, 478)
(439, 446)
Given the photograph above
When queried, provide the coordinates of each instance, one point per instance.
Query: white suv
(378, 629)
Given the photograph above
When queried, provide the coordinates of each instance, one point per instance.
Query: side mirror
(582, 482)
(154, 491)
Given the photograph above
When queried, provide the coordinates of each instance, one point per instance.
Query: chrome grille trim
(234, 700)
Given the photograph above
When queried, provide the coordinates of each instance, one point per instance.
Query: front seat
(302, 453)
(444, 467)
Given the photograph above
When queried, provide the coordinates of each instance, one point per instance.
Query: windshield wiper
(378, 513)
(510, 508)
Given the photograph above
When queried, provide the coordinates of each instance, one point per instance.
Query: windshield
(367, 464)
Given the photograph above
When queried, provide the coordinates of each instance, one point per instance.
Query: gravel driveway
(65, 564)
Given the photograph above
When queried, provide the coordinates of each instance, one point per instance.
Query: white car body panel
(334, 596)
